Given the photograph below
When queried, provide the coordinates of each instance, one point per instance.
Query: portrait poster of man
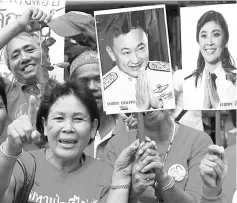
(208, 35)
(134, 59)
(11, 10)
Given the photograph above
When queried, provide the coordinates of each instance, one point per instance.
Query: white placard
(194, 97)
(147, 48)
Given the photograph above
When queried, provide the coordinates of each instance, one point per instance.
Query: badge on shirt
(178, 172)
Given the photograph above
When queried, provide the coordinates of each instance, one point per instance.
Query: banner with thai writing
(10, 10)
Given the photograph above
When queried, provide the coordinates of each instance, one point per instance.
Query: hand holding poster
(134, 59)
(210, 71)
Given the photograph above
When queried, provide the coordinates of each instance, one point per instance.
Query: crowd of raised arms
(65, 148)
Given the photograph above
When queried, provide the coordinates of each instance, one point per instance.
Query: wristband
(126, 186)
(166, 187)
(211, 198)
(7, 156)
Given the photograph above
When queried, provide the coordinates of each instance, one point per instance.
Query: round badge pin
(177, 171)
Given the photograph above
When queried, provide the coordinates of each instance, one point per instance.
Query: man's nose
(25, 57)
(135, 58)
(92, 85)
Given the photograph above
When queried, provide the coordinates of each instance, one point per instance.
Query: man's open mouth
(26, 67)
(67, 141)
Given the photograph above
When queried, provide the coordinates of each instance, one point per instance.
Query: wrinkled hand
(123, 165)
(22, 130)
(139, 179)
(213, 167)
(31, 19)
(147, 168)
(129, 121)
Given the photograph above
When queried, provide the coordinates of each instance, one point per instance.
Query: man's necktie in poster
(134, 59)
(208, 57)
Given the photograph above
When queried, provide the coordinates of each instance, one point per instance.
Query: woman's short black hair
(70, 87)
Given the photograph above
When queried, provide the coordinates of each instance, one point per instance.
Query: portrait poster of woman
(208, 35)
(134, 59)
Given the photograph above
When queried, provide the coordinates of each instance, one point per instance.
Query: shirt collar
(23, 85)
(219, 71)
(109, 134)
(124, 75)
(32, 89)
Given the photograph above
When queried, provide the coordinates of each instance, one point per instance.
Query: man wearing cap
(85, 67)
(79, 26)
(126, 43)
(23, 58)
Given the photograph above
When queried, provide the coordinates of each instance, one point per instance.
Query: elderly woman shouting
(68, 117)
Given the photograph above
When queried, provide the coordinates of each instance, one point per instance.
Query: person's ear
(111, 53)
(94, 128)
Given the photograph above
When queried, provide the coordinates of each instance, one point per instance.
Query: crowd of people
(64, 147)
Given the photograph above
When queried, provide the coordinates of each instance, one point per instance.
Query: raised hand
(130, 121)
(123, 165)
(145, 97)
(143, 171)
(20, 130)
(213, 167)
(142, 92)
(31, 19)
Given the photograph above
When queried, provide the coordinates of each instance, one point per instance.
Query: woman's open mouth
(210, 51)
(67, 143)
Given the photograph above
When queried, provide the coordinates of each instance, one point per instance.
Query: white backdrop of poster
(190, 47)
(119, 86)
(12, 9)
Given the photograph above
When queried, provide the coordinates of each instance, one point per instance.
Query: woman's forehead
(68, 103)
(211, 25)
